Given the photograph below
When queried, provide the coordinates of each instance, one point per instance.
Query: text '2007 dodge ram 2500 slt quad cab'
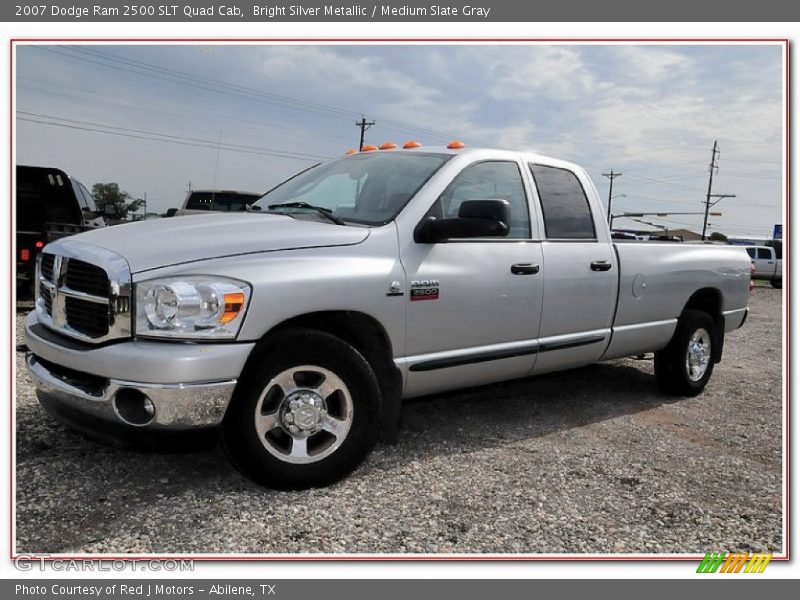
(383, 275)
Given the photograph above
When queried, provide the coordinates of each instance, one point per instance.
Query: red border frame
(404, 557)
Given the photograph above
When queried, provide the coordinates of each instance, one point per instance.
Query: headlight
(191, 307)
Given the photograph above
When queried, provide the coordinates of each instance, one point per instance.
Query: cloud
(653, 109)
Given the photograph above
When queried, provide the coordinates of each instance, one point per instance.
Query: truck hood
(164, 242)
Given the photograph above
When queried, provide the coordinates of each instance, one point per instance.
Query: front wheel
(305, 414)
(684, 367)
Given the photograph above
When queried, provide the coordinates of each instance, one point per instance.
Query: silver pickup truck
(298, 330)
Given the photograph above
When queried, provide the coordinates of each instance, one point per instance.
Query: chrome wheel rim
(304, 414)
(698, 354)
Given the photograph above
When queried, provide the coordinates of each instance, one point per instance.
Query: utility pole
(145, 206)
(712, 167)
(364, 125)
(611, 176)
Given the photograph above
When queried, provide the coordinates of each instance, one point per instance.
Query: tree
(718, 237)
(109, 193)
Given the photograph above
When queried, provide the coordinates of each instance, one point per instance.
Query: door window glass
(491, 180)
(565, 208)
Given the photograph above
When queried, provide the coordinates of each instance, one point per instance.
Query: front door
(474, 304)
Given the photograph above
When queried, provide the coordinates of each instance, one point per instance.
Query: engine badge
(425, 289)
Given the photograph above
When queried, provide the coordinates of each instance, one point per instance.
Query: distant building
(754, 241)
(646, 231)
(684, 234)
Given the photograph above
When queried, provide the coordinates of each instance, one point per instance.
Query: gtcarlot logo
(42, 562)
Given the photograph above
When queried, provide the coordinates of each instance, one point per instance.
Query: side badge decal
(425, 289)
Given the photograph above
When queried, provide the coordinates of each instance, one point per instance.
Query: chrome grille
(89, 318)
(83, 277)
(47, 266)
(47, 299)
(83, 292)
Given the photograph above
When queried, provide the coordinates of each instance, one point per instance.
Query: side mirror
(476, 218)
(110, 210)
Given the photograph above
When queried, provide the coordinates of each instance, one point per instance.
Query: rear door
(580, 268)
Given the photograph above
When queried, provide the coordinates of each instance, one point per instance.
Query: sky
(154, 118)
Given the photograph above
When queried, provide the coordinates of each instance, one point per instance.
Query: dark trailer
(50, 205)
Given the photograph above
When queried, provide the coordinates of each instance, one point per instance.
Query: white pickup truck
(383, 275)
(767, 264)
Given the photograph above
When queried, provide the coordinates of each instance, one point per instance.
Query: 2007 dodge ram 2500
(388, 274)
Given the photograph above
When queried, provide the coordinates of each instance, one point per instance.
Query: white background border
(268, 570)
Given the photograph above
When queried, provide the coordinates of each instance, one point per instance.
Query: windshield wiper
(325, 212)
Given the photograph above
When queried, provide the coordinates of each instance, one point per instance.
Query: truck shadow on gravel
(474, 419)
(95, 488)
(491, 416)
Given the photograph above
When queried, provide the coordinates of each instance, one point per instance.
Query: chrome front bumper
(189, 385)
(178, 407)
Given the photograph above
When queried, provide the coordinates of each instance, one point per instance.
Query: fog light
(134, 407)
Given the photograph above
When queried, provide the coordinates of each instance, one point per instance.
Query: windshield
(370, 188)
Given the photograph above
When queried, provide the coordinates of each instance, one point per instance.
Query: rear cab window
(220, 201)
(79, 196)
(565, 207)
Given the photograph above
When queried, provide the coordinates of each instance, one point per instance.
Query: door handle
(600, 265)
(524, 269)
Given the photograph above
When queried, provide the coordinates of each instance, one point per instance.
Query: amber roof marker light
(388, 146)
(369, 148)
(411, 144)
(351, 151)
(456, 145)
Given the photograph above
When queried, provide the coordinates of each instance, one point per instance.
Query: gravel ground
(593, 460)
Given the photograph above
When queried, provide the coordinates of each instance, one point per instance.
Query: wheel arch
(709, 300)
(367, 335)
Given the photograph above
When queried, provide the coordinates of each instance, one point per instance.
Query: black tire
(280, 354)
(672, 374)
(776, 283)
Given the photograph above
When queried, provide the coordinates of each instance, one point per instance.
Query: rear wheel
(684, 367)
(305, 414)
(776, 283)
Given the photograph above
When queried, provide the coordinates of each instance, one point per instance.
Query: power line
(178, 77)
(166, 138)
(278, 97)
(145, 69)
(666, 183)
(174, 110)
(167, 135)
(753, 176)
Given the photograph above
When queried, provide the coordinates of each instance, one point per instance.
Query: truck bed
(656, 278)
